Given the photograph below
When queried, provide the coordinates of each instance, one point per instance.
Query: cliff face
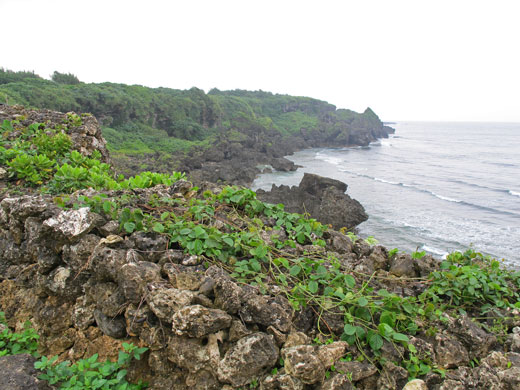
(226, 291)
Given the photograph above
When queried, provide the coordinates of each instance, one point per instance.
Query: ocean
(433, 186)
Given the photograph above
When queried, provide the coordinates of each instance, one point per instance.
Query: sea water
(433, 186)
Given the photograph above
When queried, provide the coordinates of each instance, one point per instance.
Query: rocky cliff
(228, 292)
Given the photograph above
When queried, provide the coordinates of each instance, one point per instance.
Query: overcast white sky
(408, 60)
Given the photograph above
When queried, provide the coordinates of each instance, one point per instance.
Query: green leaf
(295, 270)
(158, 227)
(400, 337)
(129, 227)
(350, 281)
(349, 330)
(375, 341)
(362, 301)
(313, 286)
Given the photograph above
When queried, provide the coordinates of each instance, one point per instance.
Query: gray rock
(198, 321)
(165, 302)
(133, 278)
(403, 265)
(72, 223)
(18, 373)
(337, 382)
(475, 339)
(281, 382)
(450, 352)
(323, 198)
(303, 362)
(510, 378)
(358, 370)
(111, 326)
(416, 384)
(267, 311)
(249, 358)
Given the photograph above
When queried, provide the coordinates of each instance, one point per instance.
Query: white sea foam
(445, 198)
(386, 181)
(514, 193)
(433, 250)
(329, 159)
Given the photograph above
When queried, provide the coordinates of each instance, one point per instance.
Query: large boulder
(323, 198)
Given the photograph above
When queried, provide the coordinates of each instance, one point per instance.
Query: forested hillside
(161, 125)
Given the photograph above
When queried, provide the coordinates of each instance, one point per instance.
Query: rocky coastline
(227, 292)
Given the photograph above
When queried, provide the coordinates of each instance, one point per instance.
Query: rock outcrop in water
(323, 198)
(87, 285)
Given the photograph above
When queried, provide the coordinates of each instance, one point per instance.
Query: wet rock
(111, 326)
(450, 352)
(358, 370)
(198, 321)
(165, 302)
(416, 384)
(267, 311)
(249, 358)
(133, 278)
(281, 382)
(303, 363)
(18, 373)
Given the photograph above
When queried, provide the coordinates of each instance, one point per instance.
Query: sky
(453, 60)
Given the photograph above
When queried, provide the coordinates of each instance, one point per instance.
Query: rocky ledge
(323, 198)
(228, 292)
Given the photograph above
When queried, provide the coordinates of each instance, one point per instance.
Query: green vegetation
(14, 343)
(40, 156)
(164, 124)
(85, 374)
(259, 244)
(90, 374)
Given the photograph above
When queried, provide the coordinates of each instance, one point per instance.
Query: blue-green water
(432, 186)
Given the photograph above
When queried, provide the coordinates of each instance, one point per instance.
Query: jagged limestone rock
(198, 321)
(165, 302)
(303, 362)
(249, 358)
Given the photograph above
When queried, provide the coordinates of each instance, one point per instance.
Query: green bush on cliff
(13, 343)
(38, 156)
